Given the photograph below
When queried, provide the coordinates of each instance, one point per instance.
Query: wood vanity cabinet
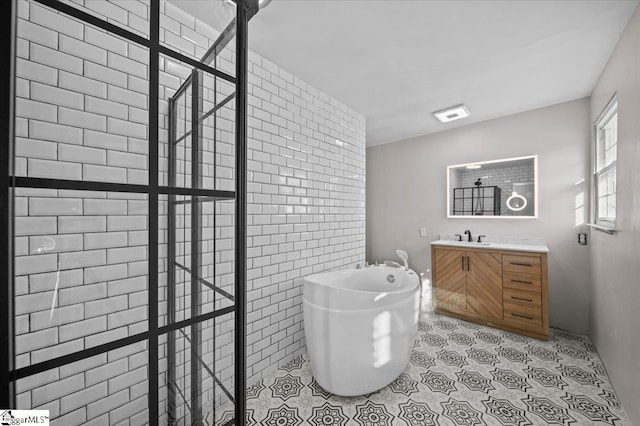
(500, 288)
(450, 273)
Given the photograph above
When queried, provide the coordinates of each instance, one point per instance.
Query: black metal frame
(7, 11)
(198, 116)
(478, 194)
(245, 10)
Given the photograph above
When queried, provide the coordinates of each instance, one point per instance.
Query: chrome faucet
(468, 234)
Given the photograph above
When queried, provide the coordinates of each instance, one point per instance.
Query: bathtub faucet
(404, 257)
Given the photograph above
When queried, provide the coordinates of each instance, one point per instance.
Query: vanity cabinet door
(484, 284)
(450, 280)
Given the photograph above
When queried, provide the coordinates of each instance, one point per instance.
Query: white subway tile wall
(306, 204)
(81, 265)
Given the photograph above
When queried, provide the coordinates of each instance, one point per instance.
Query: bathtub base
(356, 352)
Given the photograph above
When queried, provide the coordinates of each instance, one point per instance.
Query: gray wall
(615, 286)
(406, 190)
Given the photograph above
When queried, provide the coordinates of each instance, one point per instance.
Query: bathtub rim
(363, 309)
(407, 289)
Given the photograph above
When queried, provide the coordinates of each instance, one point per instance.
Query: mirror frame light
(502, 160)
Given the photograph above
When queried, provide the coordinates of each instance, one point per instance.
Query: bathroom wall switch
(423, 232)
(582, 238)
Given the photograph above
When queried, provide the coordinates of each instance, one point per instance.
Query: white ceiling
(396, 62)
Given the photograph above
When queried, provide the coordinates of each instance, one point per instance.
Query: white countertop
(525, 246)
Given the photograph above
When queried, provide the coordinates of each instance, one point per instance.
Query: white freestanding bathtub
(359, 326)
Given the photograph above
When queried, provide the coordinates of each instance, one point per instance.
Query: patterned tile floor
(460, 373)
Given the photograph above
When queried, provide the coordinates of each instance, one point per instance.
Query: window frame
(609, 113)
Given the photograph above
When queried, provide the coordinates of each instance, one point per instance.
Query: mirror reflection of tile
(472, 190)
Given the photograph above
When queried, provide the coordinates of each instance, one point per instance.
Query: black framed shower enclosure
(190, 198)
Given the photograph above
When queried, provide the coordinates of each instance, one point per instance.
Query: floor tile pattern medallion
(459, 374)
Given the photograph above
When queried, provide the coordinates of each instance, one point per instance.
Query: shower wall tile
(82, 113)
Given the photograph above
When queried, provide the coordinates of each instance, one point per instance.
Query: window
(604, 176)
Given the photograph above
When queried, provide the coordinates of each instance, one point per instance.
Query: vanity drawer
(523, 307)
(526, 299)
(521, 264)
(521, 281)
(525, 320)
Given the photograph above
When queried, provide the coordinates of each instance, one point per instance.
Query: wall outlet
(582, 238)
(423, 232)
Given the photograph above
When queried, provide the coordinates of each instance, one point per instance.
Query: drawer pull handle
(521, 298)
(521, 264)
(522, 316)
(521, 282)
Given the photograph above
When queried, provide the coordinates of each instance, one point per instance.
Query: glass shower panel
(81, 273)
(200, 252)
(195, 384)
(175, 123)
(132, 15)
(108, 388)
(203, 38)
(98, 339)
(201, 116)
(196, 279)
(218, 133)
(211, 286)
(82, 97)
(224, 370)
(225, 253)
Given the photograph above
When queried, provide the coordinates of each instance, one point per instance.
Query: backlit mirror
(505, 188)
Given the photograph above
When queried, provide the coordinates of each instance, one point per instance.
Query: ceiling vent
(452, 113)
